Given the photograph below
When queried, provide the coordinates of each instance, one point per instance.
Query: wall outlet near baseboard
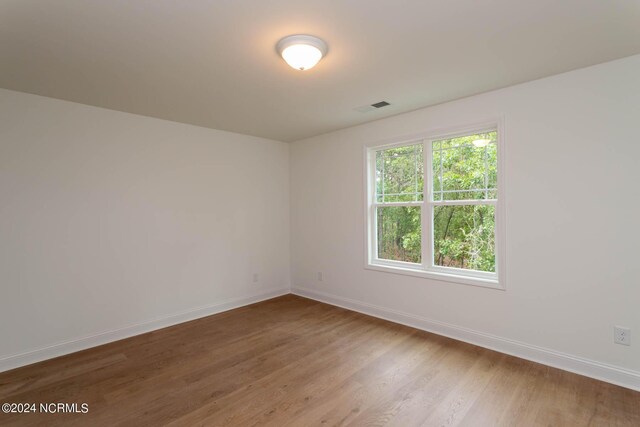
(256, 278)
(621, 335)
(319, 276)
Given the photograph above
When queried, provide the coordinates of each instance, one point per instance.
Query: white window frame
(427, 269)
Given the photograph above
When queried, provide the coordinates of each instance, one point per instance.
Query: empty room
(319, 213)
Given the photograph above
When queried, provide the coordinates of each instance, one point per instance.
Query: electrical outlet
(255, 277)
(319, 276)
(621, 335)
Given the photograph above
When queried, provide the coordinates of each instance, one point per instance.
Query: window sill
(446, 277)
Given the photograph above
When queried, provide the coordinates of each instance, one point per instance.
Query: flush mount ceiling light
(301, 51)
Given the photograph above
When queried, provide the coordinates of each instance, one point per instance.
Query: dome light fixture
(301, 51)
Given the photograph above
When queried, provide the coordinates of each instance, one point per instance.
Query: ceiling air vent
(380, 104)
(371, 107)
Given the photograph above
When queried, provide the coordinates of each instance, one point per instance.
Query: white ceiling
(213, 62)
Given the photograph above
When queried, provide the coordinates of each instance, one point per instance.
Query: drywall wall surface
(113, 223)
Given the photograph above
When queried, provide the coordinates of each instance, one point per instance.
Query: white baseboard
(60, 349)
(590, 368)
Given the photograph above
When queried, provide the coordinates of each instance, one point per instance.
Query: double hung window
(434, 208)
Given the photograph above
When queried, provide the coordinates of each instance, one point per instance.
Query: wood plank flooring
(291, 361)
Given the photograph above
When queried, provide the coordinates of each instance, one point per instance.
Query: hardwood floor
(291, 361)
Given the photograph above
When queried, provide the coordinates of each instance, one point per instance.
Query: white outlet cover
(621, 335)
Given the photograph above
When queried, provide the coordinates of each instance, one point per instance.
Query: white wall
(109, 220)
(573, 205)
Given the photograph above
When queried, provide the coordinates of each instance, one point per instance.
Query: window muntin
(448, 229)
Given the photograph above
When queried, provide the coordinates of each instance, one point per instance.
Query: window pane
(492, 166)
(420, 171)
(403, 197)
(437, 175)
(399, 233)
(464, 195)
(459, 164)
(464, 237)
(379, 170)
(399, 174)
